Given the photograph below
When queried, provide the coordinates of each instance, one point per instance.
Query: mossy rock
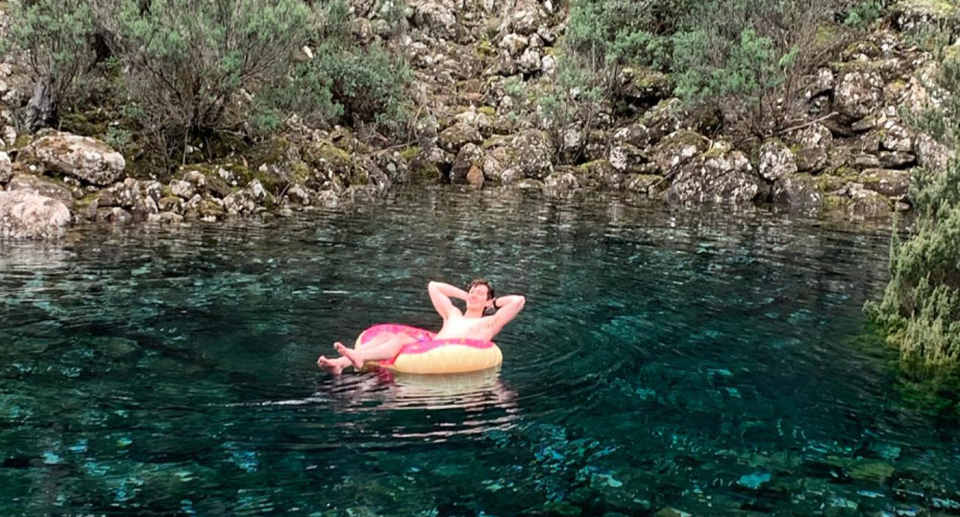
(271, 152)
(493, 141)
(271, 181)
(22, 141)
(489, 111)
(219, 145)
(833, 202)
(80, 206)
(84, 125)
(484, 48)
(409, 153)
(827, 183)
(424, 172)
(302, 173)
(327, 153)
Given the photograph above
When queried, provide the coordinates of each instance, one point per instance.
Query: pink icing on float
(426, 355)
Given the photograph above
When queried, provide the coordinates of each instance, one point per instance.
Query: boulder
(932, 154)
(678, 149)
(26, 214)
(867, 203)
(776, 160)
(534, 153)
(437, 19)
(183, 189)
(469, 157)
(475, 176)
(82, 157)
(860, 93)
(561, 183)
(798, 190)
(889, 182)
(458, 135)
(43, 187)
(719, 176)
(6, 168)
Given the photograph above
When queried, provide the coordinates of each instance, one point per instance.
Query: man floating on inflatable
(462, 345)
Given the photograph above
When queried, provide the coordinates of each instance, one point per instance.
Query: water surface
(699, 360)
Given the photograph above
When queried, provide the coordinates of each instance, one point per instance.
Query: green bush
(186, 61)
(743, 57)
(864, 13)
(56, 36)
(612, 33)
(369, 84)
(920, 310)
(345, 82)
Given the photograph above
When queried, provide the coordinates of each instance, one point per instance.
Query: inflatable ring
(426, 355)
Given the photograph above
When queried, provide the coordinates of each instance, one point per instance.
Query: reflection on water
(696, 360)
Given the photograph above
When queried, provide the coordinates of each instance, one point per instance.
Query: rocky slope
(479, 66)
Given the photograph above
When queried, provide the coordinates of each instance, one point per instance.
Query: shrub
(748, 59)
(864, 13)
(56, 38)
(920, 310)
(185, 60)
(369, 84)
(344, 82)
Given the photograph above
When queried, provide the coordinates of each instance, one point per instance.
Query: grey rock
(27, 215)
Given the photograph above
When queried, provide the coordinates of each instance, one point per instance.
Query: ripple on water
(695, 360)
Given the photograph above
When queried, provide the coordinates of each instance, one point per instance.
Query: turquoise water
(696, 361)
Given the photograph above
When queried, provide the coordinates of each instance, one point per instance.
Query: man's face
(477, 296)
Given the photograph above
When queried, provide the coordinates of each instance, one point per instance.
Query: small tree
(186, 60)
(55, 36)
(749, 58)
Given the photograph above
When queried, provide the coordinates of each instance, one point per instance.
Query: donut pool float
(426, 355)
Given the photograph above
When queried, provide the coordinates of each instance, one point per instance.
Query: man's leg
(387, 350)
(336, 366)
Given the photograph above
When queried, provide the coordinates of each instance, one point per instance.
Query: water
(699, 361)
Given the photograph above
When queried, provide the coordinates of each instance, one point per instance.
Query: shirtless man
(471, 324)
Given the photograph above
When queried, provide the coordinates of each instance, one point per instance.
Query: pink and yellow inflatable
(426, 355)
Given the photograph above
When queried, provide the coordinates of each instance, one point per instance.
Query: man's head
(480, 293)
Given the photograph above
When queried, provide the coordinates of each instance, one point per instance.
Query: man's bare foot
(334, 367)
(350, 354)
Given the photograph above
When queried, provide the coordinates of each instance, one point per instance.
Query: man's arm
(440, 294)
(507, 308)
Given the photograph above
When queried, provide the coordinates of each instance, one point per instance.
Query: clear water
(698, 361)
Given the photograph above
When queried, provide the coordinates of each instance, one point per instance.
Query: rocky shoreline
(853, 157)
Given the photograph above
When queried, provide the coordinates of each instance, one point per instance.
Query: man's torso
(457, 326)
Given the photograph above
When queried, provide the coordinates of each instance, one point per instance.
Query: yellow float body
(426, 355)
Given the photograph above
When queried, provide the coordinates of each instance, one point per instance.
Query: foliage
(344, 82)
(55, 37)
(920, 309)
(744, 57)
(185, 61)
(864, 13)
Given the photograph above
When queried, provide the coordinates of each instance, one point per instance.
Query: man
(471, 324)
